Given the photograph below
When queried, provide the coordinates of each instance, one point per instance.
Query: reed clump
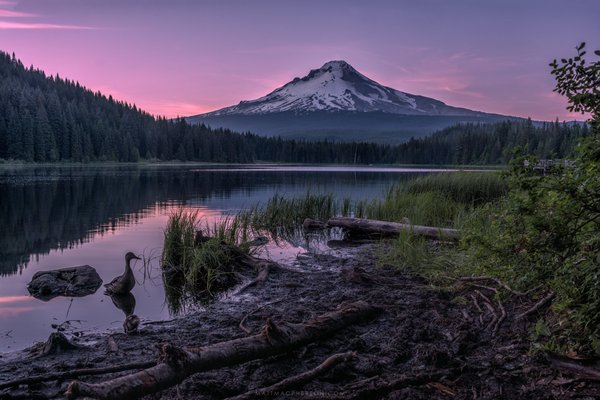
(195, 266)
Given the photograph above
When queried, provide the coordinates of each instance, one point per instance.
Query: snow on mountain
(337, 86)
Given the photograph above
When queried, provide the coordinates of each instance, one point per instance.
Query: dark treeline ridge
(50, 119)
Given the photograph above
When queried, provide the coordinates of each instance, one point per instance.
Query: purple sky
(181, 57)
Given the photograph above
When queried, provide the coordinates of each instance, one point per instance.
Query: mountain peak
(337, 86)
(336, 64)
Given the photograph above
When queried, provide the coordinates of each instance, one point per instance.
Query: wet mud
(426, 344)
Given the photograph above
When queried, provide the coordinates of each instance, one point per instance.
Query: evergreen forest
(51, 119)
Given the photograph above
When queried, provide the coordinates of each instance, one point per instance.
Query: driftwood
(297, 380)
(586, 369)
(176, 364)
(310, 224)
(60, 376)
(262, 267)
(373, 228)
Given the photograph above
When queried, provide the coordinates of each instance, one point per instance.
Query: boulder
(77, 281)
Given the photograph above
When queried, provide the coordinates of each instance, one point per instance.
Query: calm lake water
(66, 216)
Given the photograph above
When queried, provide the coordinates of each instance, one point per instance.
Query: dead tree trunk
(176, 364)
(359, 227)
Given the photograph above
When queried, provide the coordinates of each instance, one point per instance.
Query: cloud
(4, 25)
(14, 14)
(11, 24)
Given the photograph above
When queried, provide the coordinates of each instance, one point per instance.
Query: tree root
(586, 369)
(543, 302)
(495, 280)
(378, 386)
(176, 364)
(497, 320)
(59, 376)
(297, 380)
(500, 320)
(478, 307)
(243, 321)
(263, 273)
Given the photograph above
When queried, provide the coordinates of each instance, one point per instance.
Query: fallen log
(75, 373)
(586, 369)
(310, 225)
(359, 227)
(296, 380)
(176, 364)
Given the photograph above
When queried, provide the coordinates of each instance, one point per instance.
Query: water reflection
(43, 209)
(126, 303)
(56, 217)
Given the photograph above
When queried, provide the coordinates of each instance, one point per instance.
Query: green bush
(547, 231)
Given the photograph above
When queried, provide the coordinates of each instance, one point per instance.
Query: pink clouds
(180, 57)
(14, 14)
(11, 24)
(36, 25)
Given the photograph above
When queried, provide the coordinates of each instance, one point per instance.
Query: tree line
(51, 119)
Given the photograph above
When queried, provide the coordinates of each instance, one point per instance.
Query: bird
(124, 283)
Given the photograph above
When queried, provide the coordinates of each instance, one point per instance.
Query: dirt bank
(425, 344)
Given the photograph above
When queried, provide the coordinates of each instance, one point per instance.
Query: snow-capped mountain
(337, 102)
(337, 86)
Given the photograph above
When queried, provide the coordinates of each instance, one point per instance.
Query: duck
(124, 283)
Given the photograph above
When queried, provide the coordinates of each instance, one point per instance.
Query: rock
(57, 343)
(71, 282)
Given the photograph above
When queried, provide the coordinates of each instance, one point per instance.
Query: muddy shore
(426, 344)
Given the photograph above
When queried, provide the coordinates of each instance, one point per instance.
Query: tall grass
(468, 188)
(281, 215)
(194, 272)
(443, 199)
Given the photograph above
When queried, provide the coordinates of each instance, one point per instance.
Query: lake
(55, 217)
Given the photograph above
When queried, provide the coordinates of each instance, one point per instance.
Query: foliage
(282, 215)
(579, 82)
(547, 231)
(194, 272)
(438, 199)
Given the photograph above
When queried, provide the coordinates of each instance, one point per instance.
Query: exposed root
(378, 386)
(243, 321)
(298, 380)
(501, 319)
(59, 376)
(543, 302)
(586, 369)
(492, 279)
(176, 364)
(488, 304)
(263, 273)
(476, 303)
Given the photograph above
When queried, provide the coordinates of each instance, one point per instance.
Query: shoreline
(423, 332)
